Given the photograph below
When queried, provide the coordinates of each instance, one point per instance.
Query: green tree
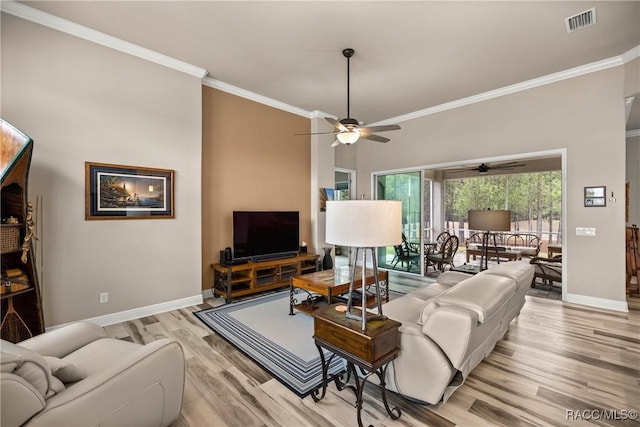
(533, 198)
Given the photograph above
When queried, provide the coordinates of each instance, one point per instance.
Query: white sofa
(77, 376)
(449, 327)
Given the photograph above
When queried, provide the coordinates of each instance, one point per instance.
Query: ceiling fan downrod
(348, 53)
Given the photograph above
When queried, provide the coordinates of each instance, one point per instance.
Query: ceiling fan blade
(458, 170)
(339, 126)
(372, 137)
(316, 133)
(335, 143)
(381, 128)
(509, 165)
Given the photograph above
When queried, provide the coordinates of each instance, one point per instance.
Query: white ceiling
(409, 55)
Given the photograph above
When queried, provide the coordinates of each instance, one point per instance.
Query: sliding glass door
(406, 187)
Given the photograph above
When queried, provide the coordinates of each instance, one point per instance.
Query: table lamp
(364, 225)
(488, 221)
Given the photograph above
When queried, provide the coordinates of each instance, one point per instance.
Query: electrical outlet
(104, 297)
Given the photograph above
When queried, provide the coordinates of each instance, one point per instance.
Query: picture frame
(325, 194)
(128, 192)
(595, 196)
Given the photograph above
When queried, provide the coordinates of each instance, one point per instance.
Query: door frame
(561, 152)
(352, 181)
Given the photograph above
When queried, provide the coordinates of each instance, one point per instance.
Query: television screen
(265, 234)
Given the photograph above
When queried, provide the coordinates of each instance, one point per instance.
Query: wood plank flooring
(559, 365)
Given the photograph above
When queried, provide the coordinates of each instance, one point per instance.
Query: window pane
(407, 188)
(533, 198)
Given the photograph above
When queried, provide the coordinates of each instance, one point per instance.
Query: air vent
(581, 20)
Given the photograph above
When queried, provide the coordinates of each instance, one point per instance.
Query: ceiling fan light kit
(348, 137)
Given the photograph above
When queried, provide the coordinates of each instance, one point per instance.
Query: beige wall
(251, 160)
(83, 102)
(583, 115)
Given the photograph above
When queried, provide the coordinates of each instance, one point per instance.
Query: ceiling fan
(486, 167)
(348, 130)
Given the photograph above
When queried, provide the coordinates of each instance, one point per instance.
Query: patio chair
(445, 256)
(413, 247)
(432, 249)
(547, 269)
(404, 255)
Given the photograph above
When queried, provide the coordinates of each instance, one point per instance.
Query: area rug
(282, 344)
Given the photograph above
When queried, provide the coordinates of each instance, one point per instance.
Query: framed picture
(325, 194)
(595, 196)
(127, 192)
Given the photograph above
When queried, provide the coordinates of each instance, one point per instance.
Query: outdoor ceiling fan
(486, 167)
(348, 130)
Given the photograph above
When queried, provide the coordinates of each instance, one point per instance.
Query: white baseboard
(124, 316)
(607, 304)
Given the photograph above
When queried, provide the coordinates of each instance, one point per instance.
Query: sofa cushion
(484, 294)
(405, 309)
(64, 370)
(30, 366)
(450, 278)
(531, 252)
(520, 271)
(426, 311)
(425, 293)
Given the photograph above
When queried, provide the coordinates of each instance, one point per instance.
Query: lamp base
(369, 316)
(350, 313)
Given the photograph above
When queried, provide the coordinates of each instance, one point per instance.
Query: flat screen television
(260, 235)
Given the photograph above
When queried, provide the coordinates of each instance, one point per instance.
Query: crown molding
(631, 54)
(48, 20)
(519, 87)
(235, 90)
(317, 114)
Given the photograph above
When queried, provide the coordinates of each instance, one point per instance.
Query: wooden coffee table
(324, 286)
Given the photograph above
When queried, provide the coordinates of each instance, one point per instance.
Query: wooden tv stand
(230, 281)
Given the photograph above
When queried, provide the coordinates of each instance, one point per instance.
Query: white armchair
(77, 376)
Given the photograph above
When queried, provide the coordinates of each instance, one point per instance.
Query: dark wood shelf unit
(17, 149)
(232, 281)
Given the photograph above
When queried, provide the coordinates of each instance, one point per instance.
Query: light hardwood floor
(557, 361)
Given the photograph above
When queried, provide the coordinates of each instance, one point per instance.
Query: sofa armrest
(20, 400)
(67, 339)
(442, 321)
(144, 388)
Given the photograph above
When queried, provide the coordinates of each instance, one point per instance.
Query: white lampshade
(364, 223)
(348, 137)
(488, 220)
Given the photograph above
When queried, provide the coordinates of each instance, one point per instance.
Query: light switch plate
(586, 231)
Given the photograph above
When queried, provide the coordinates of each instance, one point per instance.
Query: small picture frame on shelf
(325, 194)
(127, 192)
(595, 196)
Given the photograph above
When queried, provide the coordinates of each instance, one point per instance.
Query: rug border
(199, 314)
